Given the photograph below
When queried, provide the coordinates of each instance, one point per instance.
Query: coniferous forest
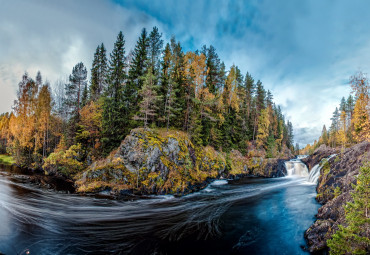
(156, 85)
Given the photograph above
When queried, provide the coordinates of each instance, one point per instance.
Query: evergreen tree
(324, 135)
(213, 65)
(155, 45)
(343, 105)
(74, 89)
(74, 99)
(259, 106)
(179, 82)
(99, 72)
(115, 107)
(138, 69)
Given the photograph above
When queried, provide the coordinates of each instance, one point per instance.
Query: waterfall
(314, 174)
(315, 171)
(295, 167)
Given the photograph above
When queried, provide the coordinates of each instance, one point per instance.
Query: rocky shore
(334, 187)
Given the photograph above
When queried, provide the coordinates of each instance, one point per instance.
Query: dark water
(251, 216)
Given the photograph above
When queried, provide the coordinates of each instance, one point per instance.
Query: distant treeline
(351, 121)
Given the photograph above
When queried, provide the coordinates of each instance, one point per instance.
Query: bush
(67, 162)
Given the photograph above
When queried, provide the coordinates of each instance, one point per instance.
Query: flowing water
(248, 216)
(315, 171)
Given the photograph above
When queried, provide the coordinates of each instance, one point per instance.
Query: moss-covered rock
(154, 161)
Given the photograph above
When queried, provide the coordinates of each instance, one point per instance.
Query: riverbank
(335, 184)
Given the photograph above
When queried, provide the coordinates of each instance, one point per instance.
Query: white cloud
(304, 52)
(53, 36)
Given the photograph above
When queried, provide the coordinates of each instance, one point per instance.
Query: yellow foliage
(360, 120)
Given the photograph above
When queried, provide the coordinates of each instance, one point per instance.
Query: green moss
(337, 192)
(6, 160)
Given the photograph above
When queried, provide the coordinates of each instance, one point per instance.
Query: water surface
(249, 216)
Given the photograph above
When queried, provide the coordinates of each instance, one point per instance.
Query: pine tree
(94, 83)
(99, 73)
(259, 105)
(324, 135)
(179, 82)
(73, 100)
(115, 107)
(213, 65)
(138, 69)
(155, 45)
(74, 89)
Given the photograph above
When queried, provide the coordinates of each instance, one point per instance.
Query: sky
(303, 51)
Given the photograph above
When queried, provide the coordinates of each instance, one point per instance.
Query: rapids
(247, 216)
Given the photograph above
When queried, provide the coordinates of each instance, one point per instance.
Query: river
(247, 216)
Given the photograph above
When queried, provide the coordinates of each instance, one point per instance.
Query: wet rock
(322, 152)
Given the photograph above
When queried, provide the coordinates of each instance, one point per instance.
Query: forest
(350, 123)
(154, 86)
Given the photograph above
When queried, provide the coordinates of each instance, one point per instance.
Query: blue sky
(303, 51)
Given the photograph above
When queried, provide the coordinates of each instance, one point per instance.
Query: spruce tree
(99, 71)
(155, 45)
(94, 83)
(179, 82)
(138, 69)
(115, 107)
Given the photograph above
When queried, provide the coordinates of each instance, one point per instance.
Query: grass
(6, 159)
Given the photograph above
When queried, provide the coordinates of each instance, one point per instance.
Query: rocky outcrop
(154, 161)
(272, 167)
(322, 152)
(158, 162)
(334, 187)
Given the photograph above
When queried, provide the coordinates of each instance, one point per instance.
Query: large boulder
(334, 191)
(154, 161)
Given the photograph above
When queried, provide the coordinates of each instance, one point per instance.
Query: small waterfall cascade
(295, 167)
(315, 171)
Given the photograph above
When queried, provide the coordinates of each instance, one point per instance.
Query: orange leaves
(195, 71)
(360, 120)
(91, 117)
(230, 94)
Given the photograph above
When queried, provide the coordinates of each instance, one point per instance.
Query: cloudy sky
(303, 51)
